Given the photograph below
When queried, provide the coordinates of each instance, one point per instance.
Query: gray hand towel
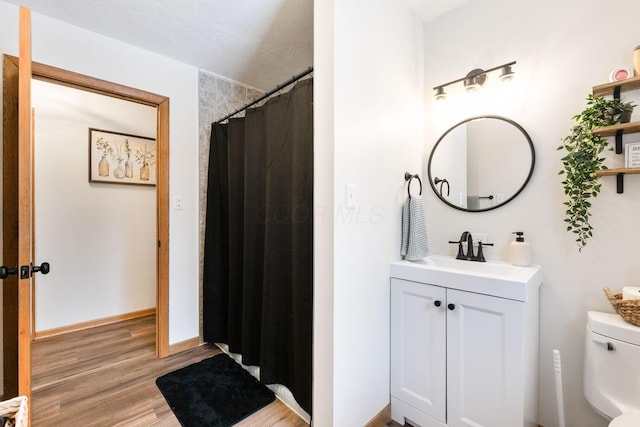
(415, 242)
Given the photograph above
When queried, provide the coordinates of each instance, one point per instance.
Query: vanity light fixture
(507, 73)
(475, 79)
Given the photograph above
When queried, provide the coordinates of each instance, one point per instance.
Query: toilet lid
(626, 420)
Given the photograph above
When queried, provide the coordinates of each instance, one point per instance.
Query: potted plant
(582, 159)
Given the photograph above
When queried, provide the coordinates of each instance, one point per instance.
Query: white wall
(376, 60)
(323, 200)
(78, 50)
(99, 238)
(562, 50)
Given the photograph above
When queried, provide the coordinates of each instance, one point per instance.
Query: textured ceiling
(257, 42)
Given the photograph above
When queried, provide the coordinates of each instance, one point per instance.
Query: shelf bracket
(616, 92)
(620, 183)
(619, 141)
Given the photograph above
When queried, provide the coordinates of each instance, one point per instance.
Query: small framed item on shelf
(632, 155)
(621, 73)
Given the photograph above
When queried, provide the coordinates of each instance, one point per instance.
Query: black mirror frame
(526, 181)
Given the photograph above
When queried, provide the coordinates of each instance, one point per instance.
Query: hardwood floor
(105, 376)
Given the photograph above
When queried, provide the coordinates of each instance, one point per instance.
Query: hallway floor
(105, 376)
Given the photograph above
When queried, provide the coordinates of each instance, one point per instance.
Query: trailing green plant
(582, 160)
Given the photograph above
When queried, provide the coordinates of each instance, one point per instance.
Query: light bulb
(440, 94)
(507, 73)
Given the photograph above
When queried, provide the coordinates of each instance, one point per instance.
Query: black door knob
(452, 306)
(6, 271)
(437, 303)
(44, 268)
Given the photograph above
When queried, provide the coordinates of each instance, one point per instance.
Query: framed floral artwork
(120, 158)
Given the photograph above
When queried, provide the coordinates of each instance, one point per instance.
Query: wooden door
(17, 266)
(16, 203)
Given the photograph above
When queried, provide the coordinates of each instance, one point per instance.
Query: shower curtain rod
(268, 94)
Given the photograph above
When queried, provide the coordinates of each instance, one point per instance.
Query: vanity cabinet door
(418, 350)
(484, 360)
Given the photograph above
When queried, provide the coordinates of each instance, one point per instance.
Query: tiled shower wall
(217, 97)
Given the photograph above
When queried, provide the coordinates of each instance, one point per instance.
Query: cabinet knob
(437, 303)
(451, 306)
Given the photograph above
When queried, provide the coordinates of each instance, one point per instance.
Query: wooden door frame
(90, 84)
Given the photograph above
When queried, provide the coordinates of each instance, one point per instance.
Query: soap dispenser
(520, 250)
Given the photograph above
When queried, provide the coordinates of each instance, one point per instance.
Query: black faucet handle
(480, 255)
(460, 250)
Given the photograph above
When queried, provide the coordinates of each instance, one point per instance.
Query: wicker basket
(16, 408)
(628, 309)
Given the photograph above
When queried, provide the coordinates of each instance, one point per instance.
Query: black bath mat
(215, 392)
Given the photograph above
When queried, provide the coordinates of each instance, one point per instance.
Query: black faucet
(469, 256)
(461, 255)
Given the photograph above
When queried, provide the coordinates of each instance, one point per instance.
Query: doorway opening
(95, 225)
(161, 103)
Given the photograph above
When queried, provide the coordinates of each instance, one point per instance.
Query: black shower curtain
(258, 257)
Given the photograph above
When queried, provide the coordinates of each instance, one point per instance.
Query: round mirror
(481, 163)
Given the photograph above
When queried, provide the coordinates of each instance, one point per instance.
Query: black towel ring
(409, 177)
(442, 182)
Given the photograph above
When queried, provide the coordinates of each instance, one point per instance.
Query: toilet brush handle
(557, 366)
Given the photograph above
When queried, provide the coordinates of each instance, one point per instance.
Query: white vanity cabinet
(462, 358)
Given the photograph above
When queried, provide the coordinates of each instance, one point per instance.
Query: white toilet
(612, 368)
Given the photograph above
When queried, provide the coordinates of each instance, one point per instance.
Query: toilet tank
(612, 364)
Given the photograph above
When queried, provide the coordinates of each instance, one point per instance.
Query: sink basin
(491, 267)
(494, 278)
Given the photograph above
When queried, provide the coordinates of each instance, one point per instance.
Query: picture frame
(121, 158)
(632, 155)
